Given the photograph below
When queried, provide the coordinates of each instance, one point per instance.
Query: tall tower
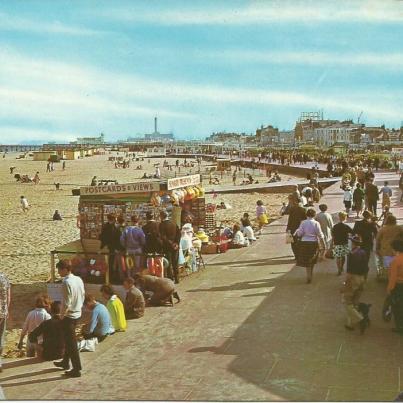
(155, 125)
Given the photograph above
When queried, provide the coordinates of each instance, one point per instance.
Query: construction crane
(359, 116)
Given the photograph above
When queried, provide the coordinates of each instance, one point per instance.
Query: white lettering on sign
(126, 188)
(190, 180)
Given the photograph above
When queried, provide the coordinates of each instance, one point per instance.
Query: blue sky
(74, 68)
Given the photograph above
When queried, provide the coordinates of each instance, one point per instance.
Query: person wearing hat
(395, 285)
(357, 270)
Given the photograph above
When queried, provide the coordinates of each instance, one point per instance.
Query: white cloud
(267, 12)
(392, 61)
(69, 96)
(13, 23)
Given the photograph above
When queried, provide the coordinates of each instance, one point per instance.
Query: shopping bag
(181, 257)
(87, 345)
(289, 238)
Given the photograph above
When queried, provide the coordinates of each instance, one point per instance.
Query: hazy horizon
(78, 68)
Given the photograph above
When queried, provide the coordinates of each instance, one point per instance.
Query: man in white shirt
(73, 300)
(24, 204)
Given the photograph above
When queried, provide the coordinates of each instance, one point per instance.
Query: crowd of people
(313, 235)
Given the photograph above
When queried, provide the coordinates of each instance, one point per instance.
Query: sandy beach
(27, 238)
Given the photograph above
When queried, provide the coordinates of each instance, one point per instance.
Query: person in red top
(395, 285)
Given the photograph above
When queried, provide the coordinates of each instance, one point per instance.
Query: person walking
(297, 214)
(340, 233)
(326, 224)
(366, 229)
(347, 198)
(371, 196)
(36, 178)
(311, 243)
(24, 204)
(261, 215)
(395, 285)
(73, 300)
(386, 192)
(5, 299)
(357, 270)
(170, 235)
(358, 199)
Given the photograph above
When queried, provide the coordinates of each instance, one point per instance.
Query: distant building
(90, 140)
(340, 133)
(157, 136)
(267, 135)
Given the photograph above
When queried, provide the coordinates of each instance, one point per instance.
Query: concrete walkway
(248, 328)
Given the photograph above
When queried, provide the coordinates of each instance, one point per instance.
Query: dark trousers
(397, 306)
(172, 272)
(372, 204)
(294, 246)
(368, 250)
(70, 341)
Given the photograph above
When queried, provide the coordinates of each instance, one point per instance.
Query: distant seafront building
(157, 136)
(94, 141)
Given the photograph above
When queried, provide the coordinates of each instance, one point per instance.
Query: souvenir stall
(179, 197)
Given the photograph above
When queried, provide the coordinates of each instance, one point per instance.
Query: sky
(81, 67)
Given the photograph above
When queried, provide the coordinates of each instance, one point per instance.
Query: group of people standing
(154, 238)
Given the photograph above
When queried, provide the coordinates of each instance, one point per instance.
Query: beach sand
(27, 238)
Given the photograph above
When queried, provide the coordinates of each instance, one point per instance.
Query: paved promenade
(248, 328)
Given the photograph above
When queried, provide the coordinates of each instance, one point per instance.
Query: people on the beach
(24, 204)
(56, 216)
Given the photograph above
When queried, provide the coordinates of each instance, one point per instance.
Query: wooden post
(52, 267)
(107, 274)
